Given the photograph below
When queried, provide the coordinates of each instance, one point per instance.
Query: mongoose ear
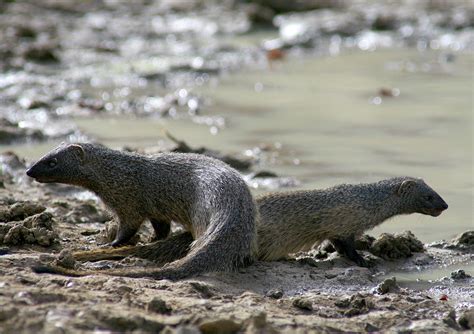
(405, 186)
(79, 151)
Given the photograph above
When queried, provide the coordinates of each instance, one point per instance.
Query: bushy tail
(228, 243)
(160, 252)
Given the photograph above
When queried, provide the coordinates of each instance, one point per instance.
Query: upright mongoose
(294, 221)
(206, 196)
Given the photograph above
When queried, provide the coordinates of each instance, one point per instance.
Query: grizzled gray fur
(206, 196)
(339, 214)
(294, 221)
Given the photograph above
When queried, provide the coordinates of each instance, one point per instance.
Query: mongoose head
(419, 197)
(62, 165)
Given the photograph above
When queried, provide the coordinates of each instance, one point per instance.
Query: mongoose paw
(117, 243)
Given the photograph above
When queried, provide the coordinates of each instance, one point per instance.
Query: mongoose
(294, 221)
(206, 196)
(340, 214)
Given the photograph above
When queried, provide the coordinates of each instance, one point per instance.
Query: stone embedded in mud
(6, 313)
(450, 319)
(20, 210)
(359, 305)
(275, 293)
(459, 274)
(388, 285)
(36, 229)
(345, 302)
(220, 326)
(40, 51)
(371, 328)
(158, 305)
(203, 289)
(364, 242)
(258, 324)
(398, 246)
(66, 259)
(464, 240)
(466, 320)
(303, 303)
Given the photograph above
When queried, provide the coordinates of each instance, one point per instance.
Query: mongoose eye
(429, 198)
(52, 163)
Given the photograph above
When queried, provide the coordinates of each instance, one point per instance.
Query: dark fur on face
(63, 165)
(421, 198)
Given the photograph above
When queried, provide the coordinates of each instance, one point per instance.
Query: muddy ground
(316, 291)
(62, 60)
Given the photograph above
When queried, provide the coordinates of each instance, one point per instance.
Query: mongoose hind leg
(162, 228)
(346, 247)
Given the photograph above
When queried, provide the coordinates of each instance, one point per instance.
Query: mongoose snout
(422, 197)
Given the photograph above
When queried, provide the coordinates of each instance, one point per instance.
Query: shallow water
(322, 111)
(334, 127)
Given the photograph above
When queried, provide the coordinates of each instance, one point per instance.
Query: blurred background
(297, 94)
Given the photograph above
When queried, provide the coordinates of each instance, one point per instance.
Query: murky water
(334, 125)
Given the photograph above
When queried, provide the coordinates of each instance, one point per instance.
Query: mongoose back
(296, 220)
(206, 196)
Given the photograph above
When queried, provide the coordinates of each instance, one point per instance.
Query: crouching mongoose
(296, 220)
(206, 196)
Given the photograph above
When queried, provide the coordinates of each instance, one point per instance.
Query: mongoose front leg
(346, 247)
(162, 228)
(127, 227)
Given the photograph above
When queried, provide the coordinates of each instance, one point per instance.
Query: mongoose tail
(208, 254)
(160, 252)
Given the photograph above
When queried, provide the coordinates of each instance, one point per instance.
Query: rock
(219, 326)
(345, 302)
(36, 229)
(275, 293)
(398, 246)
(259, 324)
(364, 242)
(21, 210)
(264, 173)
(158, 305)
(303, 303)
(203, 289)
(6, 313)
(40, 51)
(464, 240)
(371, 328)
(183, 147)
(459, 274)
(388, 285)
(466, 320)
(66, 259)
(358, 305)
(450, 319)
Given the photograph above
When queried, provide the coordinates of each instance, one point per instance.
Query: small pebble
(303, 304)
